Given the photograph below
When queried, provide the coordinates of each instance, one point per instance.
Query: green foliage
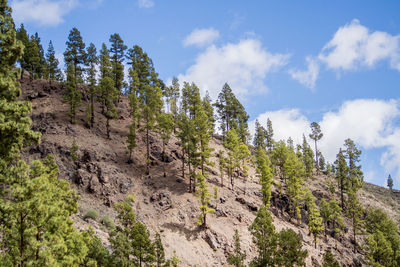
(159, 252)
(316, 135)
(341, 175)
(266, 176)
(91, 62)
(355, 213)
(72, 95)
(355, 173)
(75, 54)
(37, 229)
(91, 214)
(331, 213)
(269, 135)
(290, 252)
(231, 113)
(97, 254)
(259, 136)
(390, 182)
(383, 241)
(329, 260)
(172, 96)
(293, 170)
(238, 256)
(308, 157)
(130, 240)
(108, 222)
(74, 151)
(205, 198)
(54, 73)
(264, 238)
(314, 217)
(35, 205)
(117, 50)
(275, 249)
(175, 260)
(108, 94)
(14, 115)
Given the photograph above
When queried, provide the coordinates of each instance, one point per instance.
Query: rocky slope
(164, 204)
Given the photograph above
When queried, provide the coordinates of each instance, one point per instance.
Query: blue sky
(334, 62)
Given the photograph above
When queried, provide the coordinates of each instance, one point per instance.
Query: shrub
(108, 222)
(91, 214)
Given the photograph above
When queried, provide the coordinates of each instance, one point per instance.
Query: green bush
(92, 214)
(108, 222)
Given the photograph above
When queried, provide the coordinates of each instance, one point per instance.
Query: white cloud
(354, 46)
(44, 12)
(145, 3)
(201, 37)
(285, 123)
(308, 77)
(243, 65)
(371, 123)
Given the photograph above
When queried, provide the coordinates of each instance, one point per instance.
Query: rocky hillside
(105, 176)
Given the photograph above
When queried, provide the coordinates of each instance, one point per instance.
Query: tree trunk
(163, 159)
(148, 151)
(316, 156)
(92, 111)
(183, 162)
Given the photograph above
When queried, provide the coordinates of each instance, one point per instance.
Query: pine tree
(117, 50)
(266, 176)
(353, 156)
(205, 198)
(41, 68)
(316, 135)
(159, 251)
(165, 126)
(209, 110)
(308, 156)
(264, 237)
(53, 71)
(97, 254)
(232, 143)
(329, 260)
(341, 175)
(72, 95)
(75, 54)
(131, 240)
(23, 37)
(269, 135)
(37, 230)
(260, 136)
(383, 241)
(231, 113)
(238, 256)
(354, 213)
(108, 94)
(35, 205)
(314, 217)
(390, 182)
(293, 170)
(32, 54)
(331, 213)
(290, 252)
(91, 61)
(131, 140)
